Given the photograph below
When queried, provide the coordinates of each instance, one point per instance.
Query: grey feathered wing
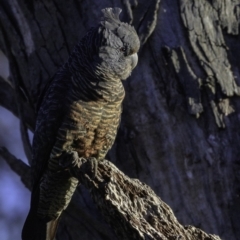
(49, 120)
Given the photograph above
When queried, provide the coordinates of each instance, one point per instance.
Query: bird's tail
(49, 199)
(36, 228)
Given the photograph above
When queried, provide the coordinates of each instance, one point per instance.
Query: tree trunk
(179, 131)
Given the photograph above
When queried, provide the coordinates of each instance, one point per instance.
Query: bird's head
(117, 46)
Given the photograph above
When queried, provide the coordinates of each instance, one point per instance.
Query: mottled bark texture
(180, 125)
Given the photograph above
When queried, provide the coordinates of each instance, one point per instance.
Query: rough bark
(179, 132)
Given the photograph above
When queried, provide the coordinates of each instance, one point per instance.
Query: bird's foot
(89, 166)
(94, 166)
(72, 162)
(69, 159)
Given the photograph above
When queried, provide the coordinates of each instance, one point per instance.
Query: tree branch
(131, 207)
(18, 166)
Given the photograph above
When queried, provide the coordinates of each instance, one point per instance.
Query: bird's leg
(68, 159)
(72, 162)
(94, 166)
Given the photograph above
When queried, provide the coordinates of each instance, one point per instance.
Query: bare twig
(17, 87)
(18, 166)
(25, 139)
(7, 96)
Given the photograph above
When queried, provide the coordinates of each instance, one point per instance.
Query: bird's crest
(111, 15)
(111, 21)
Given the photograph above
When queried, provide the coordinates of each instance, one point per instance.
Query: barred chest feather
(90, 127)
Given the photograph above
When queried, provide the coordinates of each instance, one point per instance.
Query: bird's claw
(69, 159)
(72, 162)
(94, 166)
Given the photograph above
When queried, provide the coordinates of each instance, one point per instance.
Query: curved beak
(134, 59)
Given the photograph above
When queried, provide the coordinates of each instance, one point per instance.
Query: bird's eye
(123, 49)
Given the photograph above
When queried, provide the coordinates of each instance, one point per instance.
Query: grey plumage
(80, 112)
